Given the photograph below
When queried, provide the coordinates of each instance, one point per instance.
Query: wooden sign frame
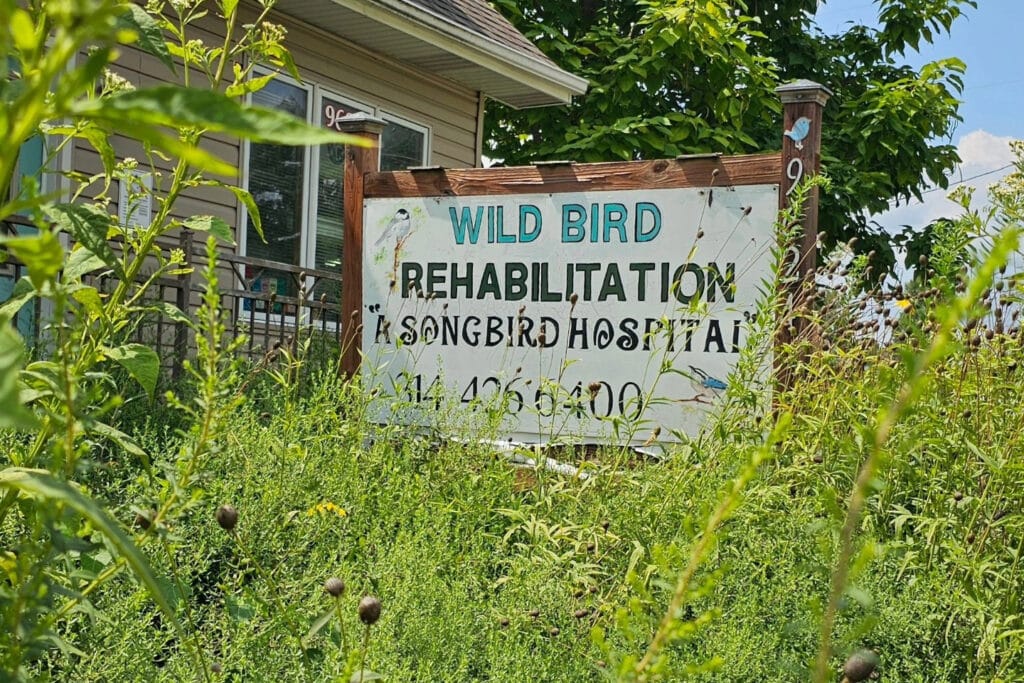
(803, 102)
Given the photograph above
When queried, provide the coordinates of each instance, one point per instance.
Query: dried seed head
(573, 298)
(581, 613)
(534, 613)
(555, 630)
(369, 610)
(335, 587)
(144, 520)
(593, 388)
(227, 517)
(860, 665)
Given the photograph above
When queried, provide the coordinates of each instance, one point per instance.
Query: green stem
(362, 658)
(275, 594)
(196, 645)
(341, 624)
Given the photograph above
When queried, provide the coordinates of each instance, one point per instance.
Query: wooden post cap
(360, 122)
(803, 90)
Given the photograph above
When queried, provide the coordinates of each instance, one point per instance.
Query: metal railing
(274, 304)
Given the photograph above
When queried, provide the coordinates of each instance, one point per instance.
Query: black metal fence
(272, 304)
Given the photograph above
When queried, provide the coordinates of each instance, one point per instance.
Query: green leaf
(89, 297)
(365, 675)
(151, 38)
(173, 106)
(249, 85)
(13, 414)
(43, 485)
(140, 361)
(166, 309)
(22, 30)
(88, 224)
(318, 625)
(42, 254)
(121, 439)
(23, 293)
(213, 225)
(251, 209)
(80, 262)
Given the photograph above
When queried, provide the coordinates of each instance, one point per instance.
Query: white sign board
(134, 200)
(570, 308)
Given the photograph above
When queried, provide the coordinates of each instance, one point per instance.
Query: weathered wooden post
(358, 162)
(803, 102)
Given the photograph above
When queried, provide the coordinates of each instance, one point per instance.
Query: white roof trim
(436, 29)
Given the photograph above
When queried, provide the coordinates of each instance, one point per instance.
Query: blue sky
(989, 40)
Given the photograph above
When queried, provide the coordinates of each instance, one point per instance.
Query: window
(300, 191)
(402, 144)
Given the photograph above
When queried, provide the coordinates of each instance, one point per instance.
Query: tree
(674, 76)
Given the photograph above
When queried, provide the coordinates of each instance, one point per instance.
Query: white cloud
(980, 152)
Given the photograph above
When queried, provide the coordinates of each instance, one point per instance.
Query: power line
(953, 184)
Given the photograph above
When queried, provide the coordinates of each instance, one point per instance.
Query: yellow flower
(904, 303)
(326, 508)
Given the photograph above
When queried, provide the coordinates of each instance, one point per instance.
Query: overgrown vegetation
(875, 504)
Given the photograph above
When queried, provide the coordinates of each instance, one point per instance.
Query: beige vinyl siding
(448, 110)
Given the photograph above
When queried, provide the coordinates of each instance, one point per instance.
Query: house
(424, 67)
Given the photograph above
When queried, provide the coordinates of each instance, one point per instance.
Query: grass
(487, 574)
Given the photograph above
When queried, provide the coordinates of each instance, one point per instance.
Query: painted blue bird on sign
(706, 385)
(801, 127)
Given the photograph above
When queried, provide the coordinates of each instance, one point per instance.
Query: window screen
(276, 181)
(401, 147)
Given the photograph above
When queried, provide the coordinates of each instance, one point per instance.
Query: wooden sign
(580, 302)
(562, 310)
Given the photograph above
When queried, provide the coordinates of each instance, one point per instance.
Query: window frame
(313, 199)
(245, 156)
(314, 116)
(316, 93)
(402, 121)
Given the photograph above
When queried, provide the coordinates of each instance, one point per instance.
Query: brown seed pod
(144, 520)
(504, 622)
(227, 517)
(534, 613)
(860, 665)
(335, 587)
(555, 630)
(369, 610)
(581, 613)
